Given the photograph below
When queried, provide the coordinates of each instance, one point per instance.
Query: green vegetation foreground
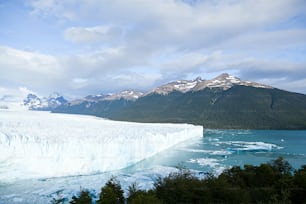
(273, 182)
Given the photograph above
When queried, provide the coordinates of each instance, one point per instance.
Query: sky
(82, 47)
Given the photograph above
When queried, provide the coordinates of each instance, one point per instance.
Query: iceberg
(36, 144)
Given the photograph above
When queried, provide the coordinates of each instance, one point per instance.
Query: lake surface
(216, 151)
(220, 149)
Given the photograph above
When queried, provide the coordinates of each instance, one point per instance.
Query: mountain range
(223, 102)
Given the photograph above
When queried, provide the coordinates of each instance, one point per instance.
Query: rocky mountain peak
(33, 102)
(129, 95)
(226, 81)
(179, 85)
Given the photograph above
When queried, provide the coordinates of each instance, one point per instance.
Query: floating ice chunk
(205, 162)
(210, 152)
(250, 146)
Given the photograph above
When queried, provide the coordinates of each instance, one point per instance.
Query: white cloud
(272, 41)
(296, 85)
(78, 83)
(80, 74)
(159, 24)
(141, 81)
(104, 34)
(24, 67)
(285, 84)
(41, 5)
(257, 69)
(14, 94)
(137, 44)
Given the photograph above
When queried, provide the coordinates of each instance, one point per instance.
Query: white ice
(41, 144)
(250, 146)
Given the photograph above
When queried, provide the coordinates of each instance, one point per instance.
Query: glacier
(36, 144)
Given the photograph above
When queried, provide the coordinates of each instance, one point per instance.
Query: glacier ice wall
(41, 144)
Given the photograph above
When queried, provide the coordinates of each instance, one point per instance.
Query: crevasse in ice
(41, 144)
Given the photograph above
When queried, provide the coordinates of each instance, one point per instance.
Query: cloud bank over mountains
(78, 48)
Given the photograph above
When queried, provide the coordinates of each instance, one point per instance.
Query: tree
(272, 182)
(299, 190)
(137, 196)
(180, 187)
(83, 198)
(281, 166)
(300, 177)
(144, 197)
(111, 193)
(133, 190)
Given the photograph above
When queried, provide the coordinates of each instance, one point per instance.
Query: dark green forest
(272, 182)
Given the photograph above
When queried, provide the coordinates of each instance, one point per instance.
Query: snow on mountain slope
(33, 102)
(224, 81)
(180, 85)
(40, 144)
(89, 99)
(129, 95)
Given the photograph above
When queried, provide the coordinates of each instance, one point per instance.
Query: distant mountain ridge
(224, 81)
(223, 102)
(33, 102)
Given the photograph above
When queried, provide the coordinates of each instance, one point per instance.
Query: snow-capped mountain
(226, 81)
(128, 95)
(223, 81)
(55, 100)
(89, 99)
(33, 102)
(180, 85)
(95, 98)
(222, 102)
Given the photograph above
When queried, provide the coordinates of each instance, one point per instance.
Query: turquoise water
(220, 149)
(216, 151)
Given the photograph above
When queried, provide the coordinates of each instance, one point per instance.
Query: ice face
(41, 144)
